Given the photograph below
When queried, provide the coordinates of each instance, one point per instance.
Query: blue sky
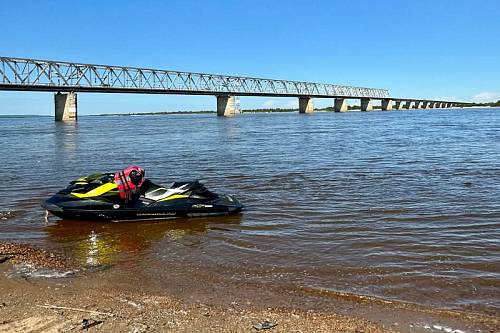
(423, 49)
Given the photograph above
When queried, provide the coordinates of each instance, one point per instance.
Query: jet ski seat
(155, 192)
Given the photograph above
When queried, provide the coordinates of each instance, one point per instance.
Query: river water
(401, 205)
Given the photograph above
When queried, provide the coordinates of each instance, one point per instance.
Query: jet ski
(97, 197)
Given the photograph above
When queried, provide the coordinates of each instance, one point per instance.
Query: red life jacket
(126, 188)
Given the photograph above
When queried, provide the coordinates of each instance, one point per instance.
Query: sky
(432, 49)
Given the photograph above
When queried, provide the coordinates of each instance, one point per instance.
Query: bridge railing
(31, 74)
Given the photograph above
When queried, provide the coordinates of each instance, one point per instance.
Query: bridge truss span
(44, 75)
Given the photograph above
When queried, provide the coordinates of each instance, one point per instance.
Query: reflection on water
(101, 243)
(66, 138)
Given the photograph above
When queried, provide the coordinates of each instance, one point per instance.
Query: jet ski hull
(135, 215)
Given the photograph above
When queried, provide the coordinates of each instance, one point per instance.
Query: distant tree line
(268, 110)
(329, 108)
(491, 104)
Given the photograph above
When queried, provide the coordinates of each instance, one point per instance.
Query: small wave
(438, 328)
(26, 270)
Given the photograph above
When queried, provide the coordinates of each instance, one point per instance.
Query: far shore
(353, 108)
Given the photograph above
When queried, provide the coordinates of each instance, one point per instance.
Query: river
(401, 205)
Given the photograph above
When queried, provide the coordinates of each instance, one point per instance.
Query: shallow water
(401, 205)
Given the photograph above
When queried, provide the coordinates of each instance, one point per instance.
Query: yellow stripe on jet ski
(175, 196)
(97, 191)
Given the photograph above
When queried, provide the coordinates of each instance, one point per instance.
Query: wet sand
(125, 302)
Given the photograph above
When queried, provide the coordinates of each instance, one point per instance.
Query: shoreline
(64, 305)
(118, 292)
(250, 111)
(256, 111)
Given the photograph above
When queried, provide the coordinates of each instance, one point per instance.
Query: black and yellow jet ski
(96, 197)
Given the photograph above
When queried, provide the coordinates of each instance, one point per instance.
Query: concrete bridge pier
(425, 105)
(226, 106)
(306, 105)
(399, 105)
(65, 106)
(418, 104)
(366, 104)
(409, 105)
(341, 105)
(387, 104)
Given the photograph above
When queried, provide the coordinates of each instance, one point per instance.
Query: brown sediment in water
(470, 316)
(120, 299)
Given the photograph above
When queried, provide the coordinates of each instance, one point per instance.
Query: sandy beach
(108, 301)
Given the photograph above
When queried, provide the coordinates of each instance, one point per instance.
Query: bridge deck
(44, 75)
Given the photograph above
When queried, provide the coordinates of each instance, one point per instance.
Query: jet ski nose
(51, 207)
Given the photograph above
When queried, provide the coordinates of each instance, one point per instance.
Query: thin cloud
(269, 104)
(486, 97)
(281, 104)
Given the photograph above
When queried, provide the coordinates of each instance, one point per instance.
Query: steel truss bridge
(58, 76)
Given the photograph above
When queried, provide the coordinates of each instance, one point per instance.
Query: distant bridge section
(44, 75)
(57, 76)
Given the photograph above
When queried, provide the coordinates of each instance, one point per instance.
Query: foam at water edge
(438, 328)
(29, 270)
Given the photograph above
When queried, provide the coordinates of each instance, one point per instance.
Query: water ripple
(400, 205)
